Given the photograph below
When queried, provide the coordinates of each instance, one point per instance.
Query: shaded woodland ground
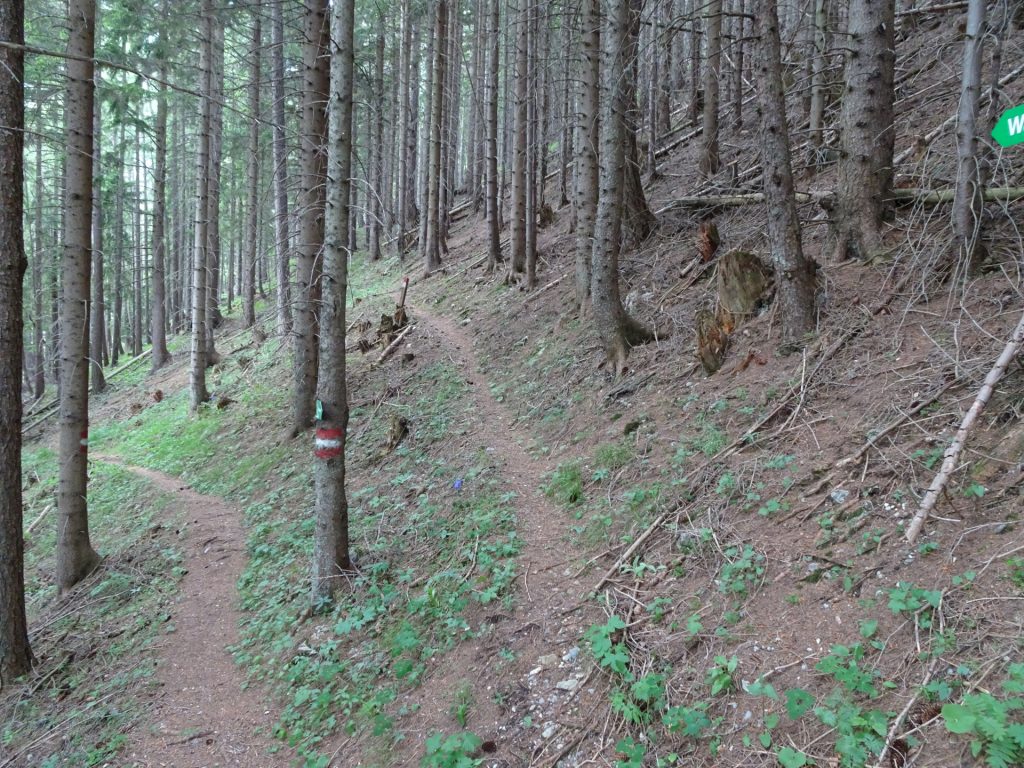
(559, 560)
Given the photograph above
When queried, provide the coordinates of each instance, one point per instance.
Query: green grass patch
(93, 646)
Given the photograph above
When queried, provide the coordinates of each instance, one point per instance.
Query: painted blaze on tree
(1009, 129)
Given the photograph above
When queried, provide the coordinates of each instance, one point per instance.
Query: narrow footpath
(203, 717)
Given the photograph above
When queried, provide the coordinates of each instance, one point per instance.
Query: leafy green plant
(995, 725)
(920, 603)
(613, 456)
(1016, 566)
(566, 484)
(691, 721)
(462, 704)
(844, 665)
(792, 758)
(974, 491)
(610, 653)
(781, 461)
(631, 753)
(742, 572)
(861, 732)
(455, 751)
(720, 674)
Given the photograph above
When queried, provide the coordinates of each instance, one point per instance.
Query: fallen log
(905, 196)
(393, 345)
(952, 455)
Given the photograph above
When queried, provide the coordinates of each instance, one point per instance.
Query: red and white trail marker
(328, 443)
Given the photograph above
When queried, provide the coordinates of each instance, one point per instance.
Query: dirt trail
(203, 717)
(547, 556)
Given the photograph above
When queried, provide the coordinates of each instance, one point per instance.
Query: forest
(455, 383)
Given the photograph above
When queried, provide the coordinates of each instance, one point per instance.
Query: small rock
(548, 660)
(570, 656)
(839, 495)
(549, 730)
(568, 685)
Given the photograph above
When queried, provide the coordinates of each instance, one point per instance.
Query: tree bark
(39, 366)
(866, 159)
(213, 256)
(330, 543)
(96, 378)
(376, 171)
(587, 170)
(493, 202)
(316, 82)
(618, 331)
(737, 70)
(76, 558)
(119, 191)
(158, 320)
(137, 237)
(533, 148)
(710, 160)
(817, 113)
(200, 249)
(407, 76)
(639, 221)
(432, 253)
(520, 143)
(281, 221)
(15, 653)
(249, 254)
(967, 207)
(794, 274)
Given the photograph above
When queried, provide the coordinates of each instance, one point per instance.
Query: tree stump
(744, 282)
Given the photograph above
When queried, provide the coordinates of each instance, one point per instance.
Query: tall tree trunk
(407, 76)
(737, 71)
(119, 192)
(158, 318)
(694, 106)
(316, 82)
(532, 147)
(200, 249)
(76, 558)
(520, 142)
(39, 366)
(422, 184)
(794, 274)
(493, 201)
(865, 162)
(970, 189)
(587, 169)
(213, 256)
(330, 543)
(376, 171)
(432, 254)
(137, 237)
(639, 220)
(818, 84)
(475, 106)
(96, 377)
(15, 653)
(710, 161)
(618, 331)
(566, 150)
(249, 259)
(281, 234)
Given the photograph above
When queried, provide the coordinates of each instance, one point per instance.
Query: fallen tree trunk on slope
(952, 456)
(824, 199)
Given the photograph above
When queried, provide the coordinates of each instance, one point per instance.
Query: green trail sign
(1009, 130)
